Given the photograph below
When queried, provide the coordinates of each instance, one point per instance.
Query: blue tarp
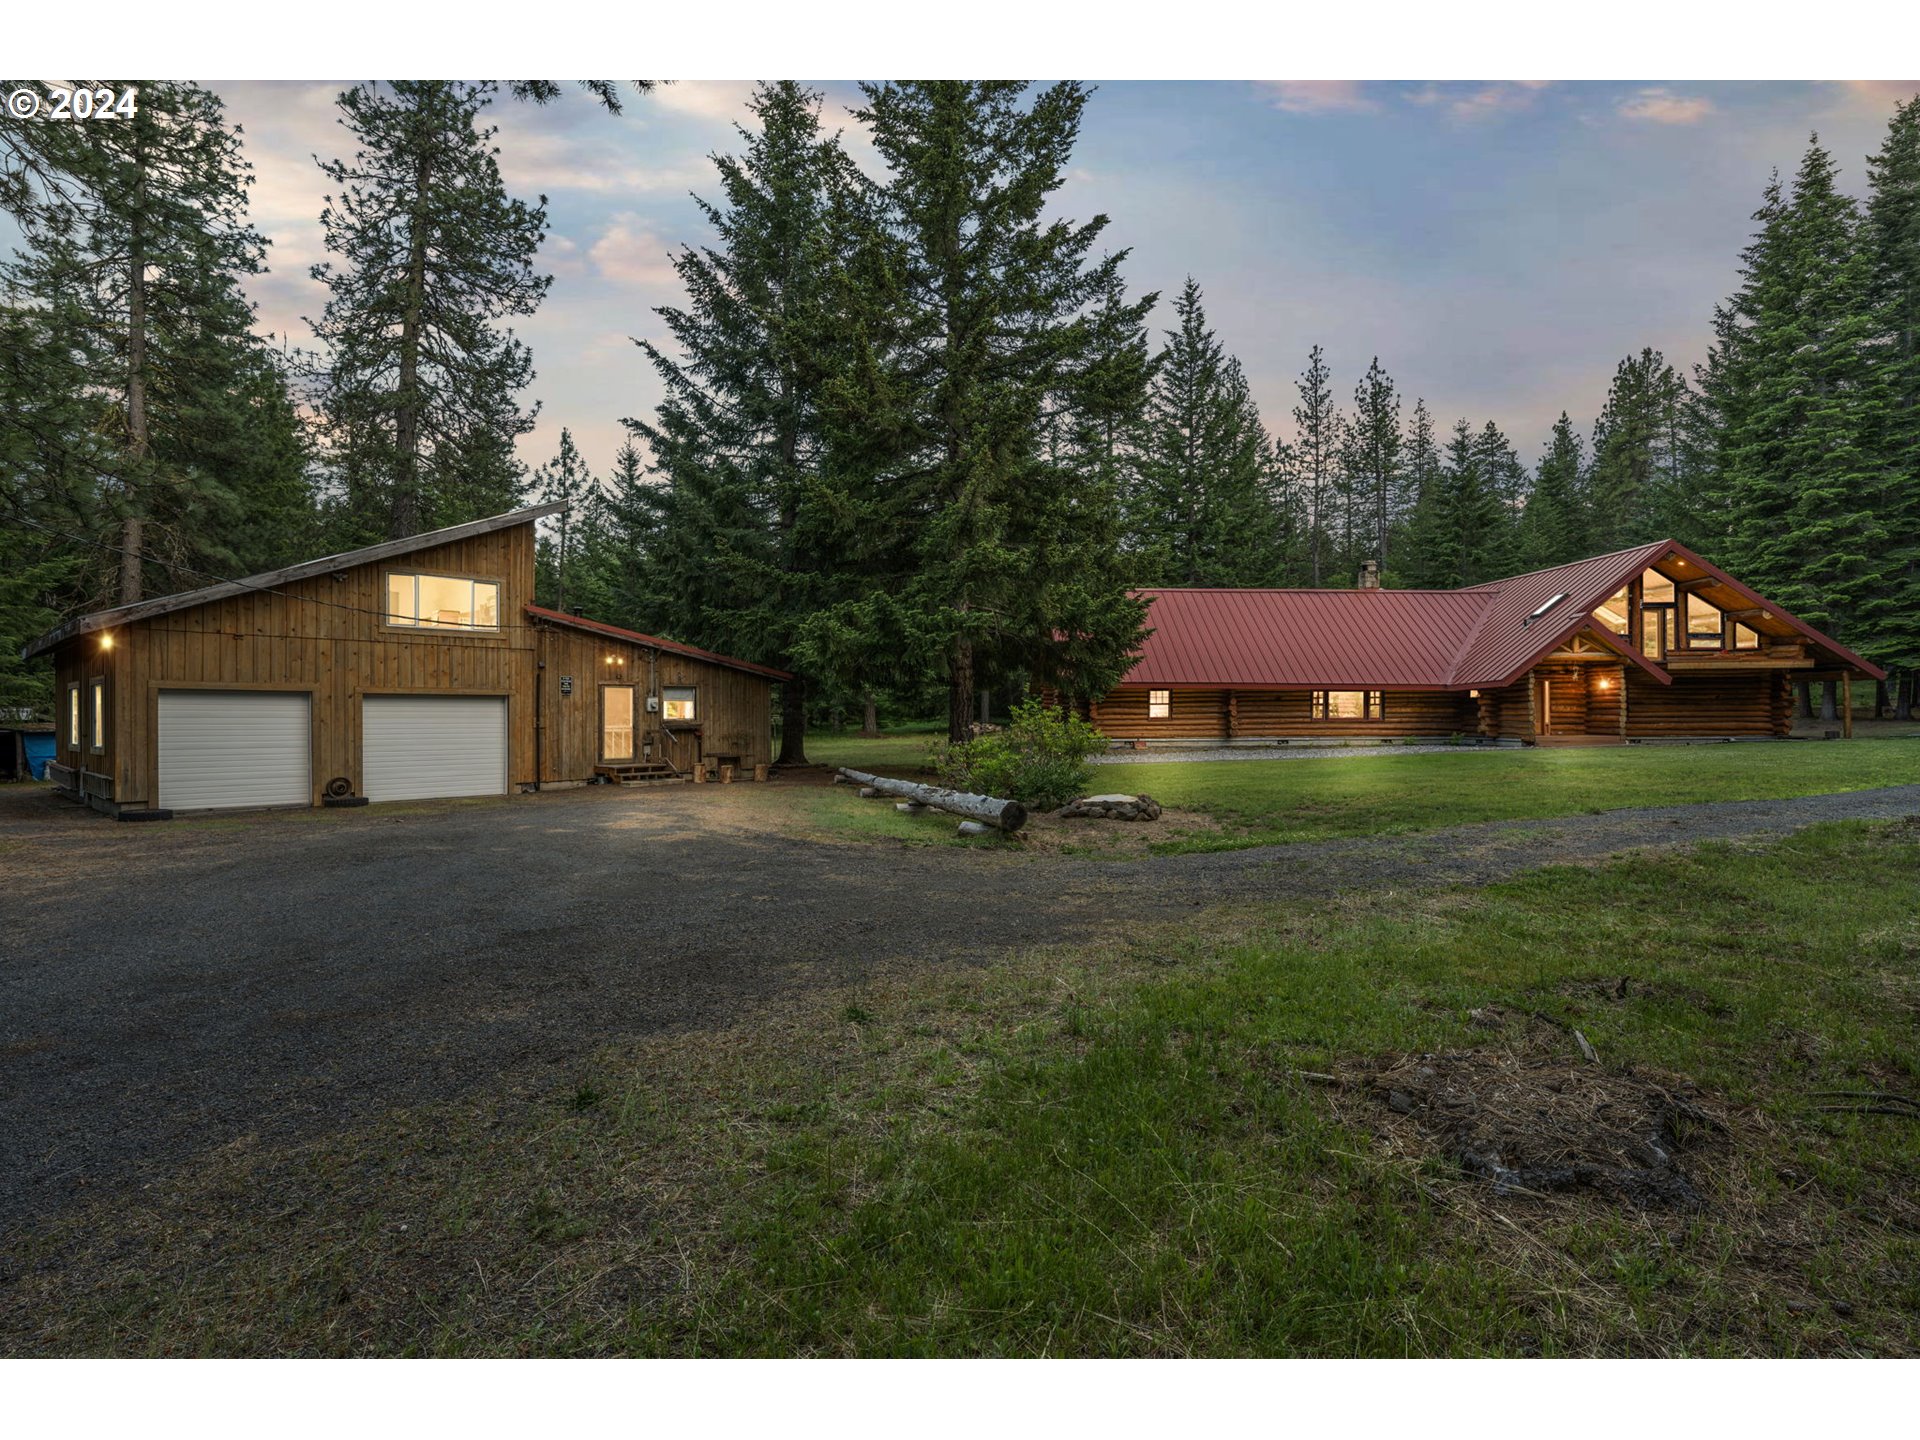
(40, 750)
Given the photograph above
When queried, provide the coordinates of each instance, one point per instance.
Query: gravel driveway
(168, 988)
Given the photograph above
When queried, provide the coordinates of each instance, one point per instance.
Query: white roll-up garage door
(422, 747)
(223, 749)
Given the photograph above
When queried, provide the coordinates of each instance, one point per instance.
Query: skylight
(1544, 607)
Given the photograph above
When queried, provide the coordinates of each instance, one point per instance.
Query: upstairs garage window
(442, 602)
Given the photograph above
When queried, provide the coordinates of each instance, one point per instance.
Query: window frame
(97, 715)
(1159, 704)
(667, 694)
(1373, 706)
(418, 626)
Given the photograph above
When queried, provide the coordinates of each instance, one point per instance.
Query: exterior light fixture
(106, 640)
(1606, 684)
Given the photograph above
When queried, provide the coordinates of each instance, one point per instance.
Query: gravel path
(168, 988)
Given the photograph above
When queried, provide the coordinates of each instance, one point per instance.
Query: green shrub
(1039, 758)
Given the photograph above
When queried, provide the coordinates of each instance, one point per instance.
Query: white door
(222, 749)
(424, 747)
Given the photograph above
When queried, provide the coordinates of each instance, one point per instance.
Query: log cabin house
(1651, 643)
(413, 669)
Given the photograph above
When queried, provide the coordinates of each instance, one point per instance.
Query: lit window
(73, 717)
(1159, 704)
(1346, 704)
(1745, 639)
(442, 602)
(1614, 613)
(678, 704)
(1703, 623)
(99, 717)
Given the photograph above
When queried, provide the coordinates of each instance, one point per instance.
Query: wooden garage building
(413, 669)
(1642, 644)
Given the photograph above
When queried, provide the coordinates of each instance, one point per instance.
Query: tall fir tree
(1555, 527)
(1200, 509)
(1316, 439)
(1638, 488)
(565, 480)
(137, 240)
(1461, 529)
(1805, 406)
(1008, 567)
(745, 553)
(1891, 610)
(432, 255)
(1370, 461)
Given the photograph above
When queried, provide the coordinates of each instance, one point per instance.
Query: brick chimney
(1369, 575)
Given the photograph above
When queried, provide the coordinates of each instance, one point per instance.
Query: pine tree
(1554, 528)
(1370, 461)
(1007, 572)
(1638, 448)
(1316, 460)
(1890, 611)
(432, 255)
(1461, 529)
(1200, 509)
(565, 480)
(137, 240)
(1506, 484)
(1805, 407)
(1421, 462)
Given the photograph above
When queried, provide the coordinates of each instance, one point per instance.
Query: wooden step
(637, 774)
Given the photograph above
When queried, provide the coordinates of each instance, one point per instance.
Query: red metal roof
(653, 642)
(1484, 636)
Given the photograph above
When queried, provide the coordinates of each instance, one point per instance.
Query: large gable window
(1346, 704)
(442, 602)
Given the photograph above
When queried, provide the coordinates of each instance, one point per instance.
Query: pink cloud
(1661, 106)
(629, 253)
(1318, 97)
(1480, 101)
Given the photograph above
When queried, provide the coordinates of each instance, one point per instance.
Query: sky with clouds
(1499, 245)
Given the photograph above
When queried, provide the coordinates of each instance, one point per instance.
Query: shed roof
(1483, 636)
(652, 642)
(271, 580)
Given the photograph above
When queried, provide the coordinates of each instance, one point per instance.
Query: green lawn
(1283, 801)
(1122, 1149)
(1288, 800)
(896, 752)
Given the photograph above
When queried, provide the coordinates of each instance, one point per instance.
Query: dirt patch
(1532, 1124)
(1050, 835)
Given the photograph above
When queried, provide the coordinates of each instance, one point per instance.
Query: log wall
(1708, 705)
(1280, 714)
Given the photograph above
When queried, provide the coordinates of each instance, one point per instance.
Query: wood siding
(328, 637)
(1279, 715)
(734, 708)
(1708, 705)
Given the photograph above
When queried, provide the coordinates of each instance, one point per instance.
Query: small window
(1745, 639)
(1159, 704)
(1346, 705)
(678, 705)
(73, 716)
(442, 602)
(99, 717)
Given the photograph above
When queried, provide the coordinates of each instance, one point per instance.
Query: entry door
(616, 722)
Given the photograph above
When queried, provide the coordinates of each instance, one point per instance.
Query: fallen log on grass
(1003, 815)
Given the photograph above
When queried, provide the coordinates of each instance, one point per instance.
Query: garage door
(420, 747)
(227, 748)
